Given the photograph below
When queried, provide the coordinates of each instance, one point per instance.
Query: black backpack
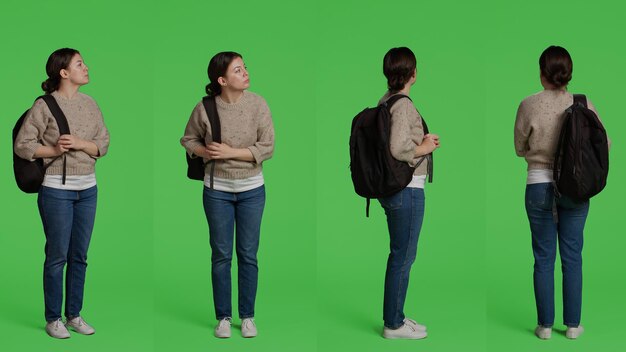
(196, 166)
(375, 172)
(581, 161)
(29, 175)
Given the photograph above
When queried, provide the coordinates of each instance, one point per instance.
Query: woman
(67, 205)
(236, 197)
(405, 209)
(537, 129)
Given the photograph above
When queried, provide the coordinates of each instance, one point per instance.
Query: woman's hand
(59, 149)
(202, 152)
(430, 143)
(220, 151)
(224, 151)
(68, 141)
(434, 137)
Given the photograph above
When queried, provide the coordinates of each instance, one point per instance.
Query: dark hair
(556, 66)
(57, 61)
(217, 68)
(398, 66)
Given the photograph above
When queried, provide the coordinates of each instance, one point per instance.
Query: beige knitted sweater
(538, 126)
(85, 121)
(244, 124)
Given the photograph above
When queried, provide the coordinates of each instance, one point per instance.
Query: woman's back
(538, 126)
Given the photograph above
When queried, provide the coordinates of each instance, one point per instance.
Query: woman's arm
(429, 144)
(521, 132)
(44, 151)
(263, 149)
(28, 140)
(195, 132)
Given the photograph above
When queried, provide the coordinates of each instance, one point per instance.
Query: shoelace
(411, 320)
(79, 321)
(223, 323)
(56, 324)
(248, 322)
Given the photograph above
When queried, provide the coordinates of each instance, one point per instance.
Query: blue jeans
(226, 212)
(405, 212)
(68, 219)
(545, 232)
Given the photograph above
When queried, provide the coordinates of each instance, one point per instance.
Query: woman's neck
(67, 90)
(231, 96)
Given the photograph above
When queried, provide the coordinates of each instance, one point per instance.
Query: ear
(415, 73)
(64, 73)
(221, 81)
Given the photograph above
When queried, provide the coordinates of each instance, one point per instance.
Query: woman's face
(236, 76)
(76, 72)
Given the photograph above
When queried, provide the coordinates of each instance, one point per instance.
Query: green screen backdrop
(321, 261)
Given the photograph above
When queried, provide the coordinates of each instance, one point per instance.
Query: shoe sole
(57, 337)
(419, 337)
(78, 332)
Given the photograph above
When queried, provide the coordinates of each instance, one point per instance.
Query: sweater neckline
(556, 91)
(58, 96)
(222, 104)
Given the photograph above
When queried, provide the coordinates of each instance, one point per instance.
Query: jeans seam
(404, 261)
(70, 268)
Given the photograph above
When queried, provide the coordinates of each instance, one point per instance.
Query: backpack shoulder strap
(580, 99)
(211, 110)
(58, 114)
(64, 127)
(389, 102)
(216, 130)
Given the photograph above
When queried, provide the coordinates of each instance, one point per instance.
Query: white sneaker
(80, 326)
(573, 333)
(222, 330)
(57, 330)
(543, 332)
(416, 325)
(248, 328)
(406, 331)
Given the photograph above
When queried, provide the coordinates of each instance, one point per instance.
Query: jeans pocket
(540, 196)
(392, 202)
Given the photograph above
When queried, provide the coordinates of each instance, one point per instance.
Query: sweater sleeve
(31, 133)
(101, 138)
(263, 149)
(195, 131)
(401, 142)
(522, 131)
